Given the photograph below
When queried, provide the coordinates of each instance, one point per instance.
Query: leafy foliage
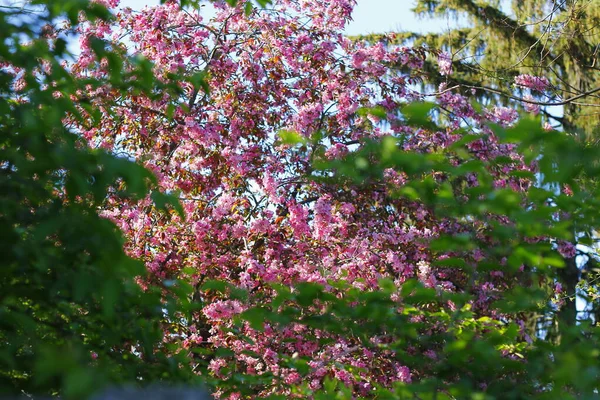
(73, 317)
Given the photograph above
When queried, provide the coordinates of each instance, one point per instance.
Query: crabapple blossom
(252, 215)
(445, 63)
(536, 83)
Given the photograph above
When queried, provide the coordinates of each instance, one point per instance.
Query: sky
(370, 16)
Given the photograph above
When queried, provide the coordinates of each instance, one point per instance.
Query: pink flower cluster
(503, 115)
(566, 249)
(223, 309)
(536, 83)
(530, 105)
(445, 63)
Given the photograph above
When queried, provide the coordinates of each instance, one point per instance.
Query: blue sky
(369, 16)
(391, 15)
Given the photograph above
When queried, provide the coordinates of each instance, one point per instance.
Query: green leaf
(417, 114)
(256, 317)
(164, 201)
(291, 138)
(199, 79)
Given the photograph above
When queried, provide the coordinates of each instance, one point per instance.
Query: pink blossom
(223, 309)
(558, 287)
(403, 374)
(292, 378)
(216, 365)
(445, 63)
(566, 249)
(536, 83)
(567, 190)
(504, 115)
(531, 107)
(338, 150)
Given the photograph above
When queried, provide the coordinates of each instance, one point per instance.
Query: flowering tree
(340, 238)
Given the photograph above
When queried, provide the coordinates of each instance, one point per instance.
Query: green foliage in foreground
(72, 316)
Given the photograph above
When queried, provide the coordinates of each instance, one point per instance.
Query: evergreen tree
(504, 42)
(550, 38)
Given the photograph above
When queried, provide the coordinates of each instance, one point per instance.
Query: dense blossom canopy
(288, 89)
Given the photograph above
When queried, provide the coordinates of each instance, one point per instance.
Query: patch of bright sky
(379, 16)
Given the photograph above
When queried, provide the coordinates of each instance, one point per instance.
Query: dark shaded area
(150, 393)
